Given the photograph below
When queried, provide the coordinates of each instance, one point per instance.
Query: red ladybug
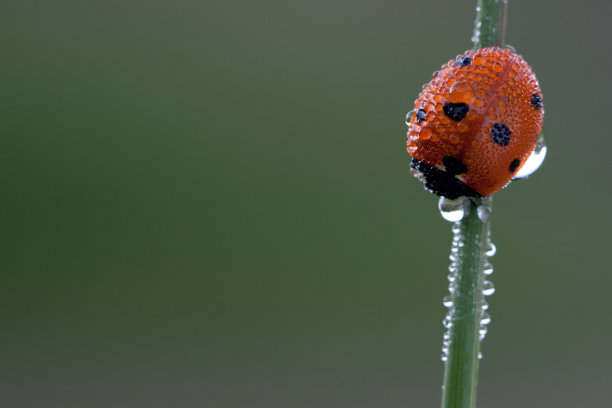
(475, 123)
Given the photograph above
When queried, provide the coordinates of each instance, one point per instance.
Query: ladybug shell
(475, 123)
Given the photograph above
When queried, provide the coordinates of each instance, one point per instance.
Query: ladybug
(475, 123)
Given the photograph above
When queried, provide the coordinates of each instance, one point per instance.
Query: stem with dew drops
(470, 246)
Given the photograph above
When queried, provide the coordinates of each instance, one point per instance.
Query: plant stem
(471, 244)
(487, 23)
(461, 372)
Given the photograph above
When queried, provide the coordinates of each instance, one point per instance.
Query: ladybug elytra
(475, 123)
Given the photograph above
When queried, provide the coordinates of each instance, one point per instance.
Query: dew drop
(444, 358)
(534, 161)
(484, 305)
(454, 139)
(492, 249)
(409, 117)
(447, 301)
(487, 288)
(462, 127)
(487, 268)
(461, 92)
(484, 212)
(452, 210)
(479, 355)
(482, 333)
(485, 319)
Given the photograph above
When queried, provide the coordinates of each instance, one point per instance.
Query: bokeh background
(208, 204)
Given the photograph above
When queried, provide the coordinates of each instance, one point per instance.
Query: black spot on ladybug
(463, 61)
(420, 115)
(514, 165)
(456, 111)
(441, 182)
(536, 101)
(454, 166)
(500, 133)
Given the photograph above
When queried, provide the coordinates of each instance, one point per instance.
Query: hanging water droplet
(487, 288)
(492, 249)
(444, 358)
(452, 210)
(409, 117)
(485, 319)
(456, 229)
(482, 333)
(484, 209)
(484, 305)
(487, 268)
(479, 355)
(447, 323)
(447, 301)
(534, 161)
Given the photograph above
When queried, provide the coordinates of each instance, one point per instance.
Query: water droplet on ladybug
(461, 92)
(425, 134)
(409, 117)
(534, 161)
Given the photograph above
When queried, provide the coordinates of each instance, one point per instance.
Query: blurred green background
(208, 204)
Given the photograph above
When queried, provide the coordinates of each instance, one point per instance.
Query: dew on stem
(452, 210)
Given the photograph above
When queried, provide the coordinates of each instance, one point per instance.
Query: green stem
(487, 25)
(461, 372)
(471, 243)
